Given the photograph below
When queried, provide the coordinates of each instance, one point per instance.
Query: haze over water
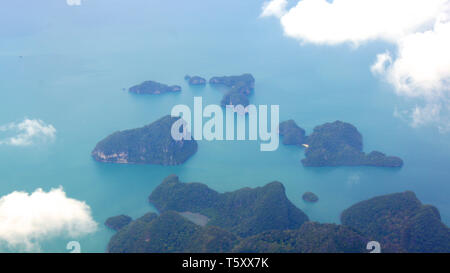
(77, 60)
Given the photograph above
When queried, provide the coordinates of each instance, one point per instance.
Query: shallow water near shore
(77, 60)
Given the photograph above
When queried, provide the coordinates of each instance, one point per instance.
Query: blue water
(77, 60)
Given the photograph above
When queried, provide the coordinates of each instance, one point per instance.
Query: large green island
(263, 220)
(400, 222)
(151, 144)
(334, 144)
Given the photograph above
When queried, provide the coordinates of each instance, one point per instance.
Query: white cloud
(27, 219)
(355, 21)
(380, 65)
(420, 29)
(27, 132)
(274, 8)
(422, 66)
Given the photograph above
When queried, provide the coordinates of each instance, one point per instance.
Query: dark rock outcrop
(310, 197)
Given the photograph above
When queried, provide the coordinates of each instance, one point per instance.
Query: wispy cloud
(26, 132)
(73, 2)
(28, 219)
(420, 29)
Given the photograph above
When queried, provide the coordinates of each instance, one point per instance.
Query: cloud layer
(27, 219)
(27, 132)
(420, 67)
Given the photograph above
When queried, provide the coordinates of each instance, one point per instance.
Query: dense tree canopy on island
(263, 220)
(151, 144)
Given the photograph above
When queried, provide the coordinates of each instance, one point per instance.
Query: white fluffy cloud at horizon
(420, 29)
(28, 219)
(27, 132)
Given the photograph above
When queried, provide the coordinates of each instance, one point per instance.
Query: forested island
(334, 144)
(340, 144)
(244, 212)
(195, 80)
(292, 134)
(151, 144)
(234, 98)
(240, 87)
(153, 88)
(263, 220)
(118, 222)
(400, 222)
(244, 83)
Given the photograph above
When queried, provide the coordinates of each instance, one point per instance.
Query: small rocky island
(334, 144)
(118, 222)
(292, 134)
(240, 87)
(151, 144)
(195, 80)
(195, 218)
(154, 88)
(310, 197)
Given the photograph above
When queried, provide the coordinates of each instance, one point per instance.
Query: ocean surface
(76, 61)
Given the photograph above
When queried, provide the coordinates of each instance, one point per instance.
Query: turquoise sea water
(77, 60)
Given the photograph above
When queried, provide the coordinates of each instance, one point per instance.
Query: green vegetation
(400, 223)
(244, 212)
(263, 220)
(340, 144)
(169, 232)
(310, 238)
(155, 88)
(118, 222)
(243, 84)
(292, 134)
(171, 194)
(151, 144)
(195, 80)
(234, 98)
(240, 88)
